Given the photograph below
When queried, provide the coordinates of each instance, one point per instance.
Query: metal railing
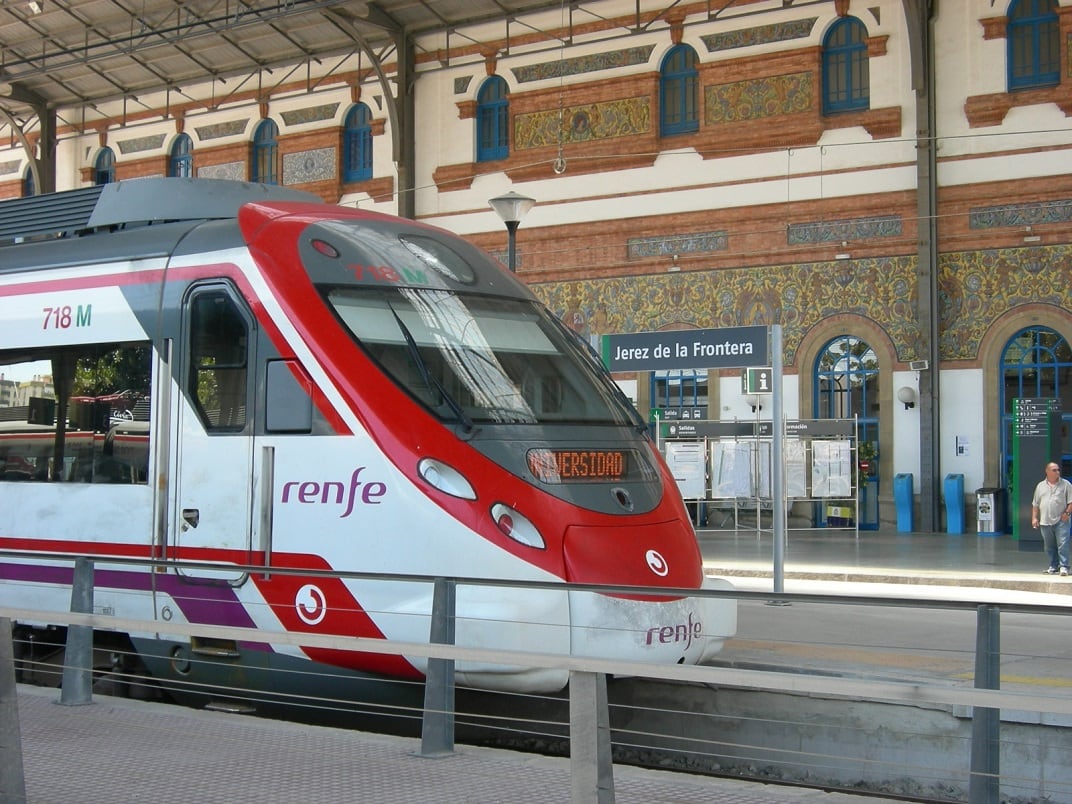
(589, 727)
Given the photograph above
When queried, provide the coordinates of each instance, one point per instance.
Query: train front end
(507, 423)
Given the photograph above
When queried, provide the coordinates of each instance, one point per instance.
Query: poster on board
(831, 468)
(686, 462)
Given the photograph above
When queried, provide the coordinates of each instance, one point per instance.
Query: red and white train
(248, 377)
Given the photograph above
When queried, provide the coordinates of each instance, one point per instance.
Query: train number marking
(656, 563)
(310, 604)
(66, 316)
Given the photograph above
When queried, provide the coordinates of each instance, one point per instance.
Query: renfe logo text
(333, 492)
(680, 632)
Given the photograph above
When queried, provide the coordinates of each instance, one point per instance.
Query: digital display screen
(582, 465)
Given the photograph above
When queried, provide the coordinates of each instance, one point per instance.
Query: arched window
(846, 77)
(28, 186)
(1034, 44)
(493, 120)
(678, 94)
(265, 153)
(181, 163)
(1035, 364)
(104, 167)
(357, 144)
(847, 386)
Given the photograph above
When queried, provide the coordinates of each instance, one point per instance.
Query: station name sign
(725, 347)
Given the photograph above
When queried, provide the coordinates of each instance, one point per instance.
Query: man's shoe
(1051, 570)
(1064, 571)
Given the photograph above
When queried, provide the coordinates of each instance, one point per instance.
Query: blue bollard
(903, 501)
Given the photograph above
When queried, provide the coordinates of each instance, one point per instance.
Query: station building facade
(894, 191)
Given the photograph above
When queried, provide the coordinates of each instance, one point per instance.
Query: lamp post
(512, 207)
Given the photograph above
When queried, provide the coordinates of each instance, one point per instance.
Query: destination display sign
(725, 347)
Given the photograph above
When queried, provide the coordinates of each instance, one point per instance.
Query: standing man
(1051, 508)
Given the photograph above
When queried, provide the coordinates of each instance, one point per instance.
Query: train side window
(288, 404)
(80, 415)
(219, 345)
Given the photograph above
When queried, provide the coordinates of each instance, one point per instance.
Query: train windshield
(472, 358)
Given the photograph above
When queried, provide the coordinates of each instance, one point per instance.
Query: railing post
(12, 781)
(437, 725)
(985, 779)
(77, 682)
(591, 767)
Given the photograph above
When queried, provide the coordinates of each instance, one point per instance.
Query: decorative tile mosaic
(139, 144)
(306, 166)
(1020, 214)
(231, 128)
(641, 247)
(758, 98)
(850, 229)
(596, 121)
(234, 171)
(7, 168)
(310, 114)
(594, 62)
(974, 290)
(759, 35)
(461, 84)
(796, 296)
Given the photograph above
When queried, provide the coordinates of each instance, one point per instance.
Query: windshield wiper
(429, 379)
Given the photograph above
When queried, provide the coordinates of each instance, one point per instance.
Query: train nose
(661, 554)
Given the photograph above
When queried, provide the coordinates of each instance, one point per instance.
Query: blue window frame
(1034, 44)
(28, 186)
(493, 120)
(846, 386)
(357, 144)
(104, 167)
(265, 153)
(678, 92)
(181, 163)
(846, 75)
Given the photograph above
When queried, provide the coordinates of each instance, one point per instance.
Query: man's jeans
(1055, 539)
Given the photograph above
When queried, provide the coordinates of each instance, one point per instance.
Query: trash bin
(954, 503)
(990, 511)
(903, 501)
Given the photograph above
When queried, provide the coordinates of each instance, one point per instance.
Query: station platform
(917, 560)
(121, 751)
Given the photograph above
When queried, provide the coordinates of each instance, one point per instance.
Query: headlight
(516, 526)
(445, 478)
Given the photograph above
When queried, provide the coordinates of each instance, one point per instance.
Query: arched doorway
(846, 385)
(1036, 363)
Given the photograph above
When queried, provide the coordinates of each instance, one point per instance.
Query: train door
(214, 462)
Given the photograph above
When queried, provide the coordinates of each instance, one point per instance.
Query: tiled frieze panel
(303, 167)
(583, 123)
(214, 131)
(591, 63)
(310, 114)
(139, 144)
(1030, 214)
(759, 35)
(758, 98)
(234, 171)
(7, 168)
(662, 246)
(841, 230)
